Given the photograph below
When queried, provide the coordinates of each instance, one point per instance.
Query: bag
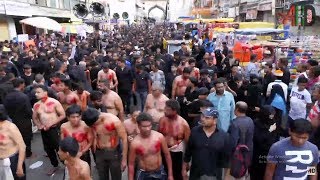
(241, 158)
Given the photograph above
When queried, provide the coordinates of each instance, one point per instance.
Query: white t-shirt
(298, 103)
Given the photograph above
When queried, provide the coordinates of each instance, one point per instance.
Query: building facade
(12, 11)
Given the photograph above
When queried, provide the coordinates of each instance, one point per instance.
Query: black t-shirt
(28, 79)
(142, 81)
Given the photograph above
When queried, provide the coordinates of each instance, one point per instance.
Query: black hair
(90, 116)
(95, 95)
(17, 82)
(3, 113)
(194, 81)
(313, 62)
(67, 82)
(105, 65)
(73, 109)
(173, 104)
(300, 126)
(192, 60)
(144, 117)
(205, 103)
(316, 71)
(187, 70)
(219, 81)
(69, 145)
(302, 79)
(43, 87)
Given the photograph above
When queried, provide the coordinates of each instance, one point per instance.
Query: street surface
(40, 155)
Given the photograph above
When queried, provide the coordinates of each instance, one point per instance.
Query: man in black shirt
(125, 80)
(208, 148)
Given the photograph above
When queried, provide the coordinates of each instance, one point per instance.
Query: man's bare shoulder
(110, 117)
(183, 121)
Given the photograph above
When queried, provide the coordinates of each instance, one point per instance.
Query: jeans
(151, 175)
(50, 139)
(142, 97)
(108, 160)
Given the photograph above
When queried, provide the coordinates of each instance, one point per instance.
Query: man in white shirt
(278, 74)
(300, 99)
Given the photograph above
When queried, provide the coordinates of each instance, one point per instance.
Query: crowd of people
(123, 99)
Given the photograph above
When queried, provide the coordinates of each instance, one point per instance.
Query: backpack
(241, 158)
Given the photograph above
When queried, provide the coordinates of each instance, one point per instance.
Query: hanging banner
(309, 15)
(251, 14)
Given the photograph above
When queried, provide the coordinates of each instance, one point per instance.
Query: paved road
(40, 173)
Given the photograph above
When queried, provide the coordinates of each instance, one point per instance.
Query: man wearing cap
(208, 148)
(279, 75)
(267, 56)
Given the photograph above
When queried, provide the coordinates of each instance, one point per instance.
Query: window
(66, 4)
(41, 2)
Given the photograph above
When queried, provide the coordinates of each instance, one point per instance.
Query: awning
(259, 31)
(43, 23)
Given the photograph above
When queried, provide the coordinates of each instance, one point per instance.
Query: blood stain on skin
(113, 141)
(140, 151)
(36, 106)
(65, 133)
(110, 127)
(158, 146)
(79, 136)
(49, 104)
(2, 137)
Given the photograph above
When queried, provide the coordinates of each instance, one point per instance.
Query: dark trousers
(154, 175)
(14, 162)
(25, 128)
(142, 97)
(27, 141)
(50, 139)
(126, 100)
(108, 160)
(176, 159)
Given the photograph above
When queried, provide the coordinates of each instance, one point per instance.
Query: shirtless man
(195, 71)
(12, 149)
(77, 169)
(108, 74)
(155, 104)
(83, 96)
(180, 84)
(176, 132)
(111, 99)
(47, 114)
(108, 130)
(66, 96)
(147, 148)
(131, 124)
(78, 129)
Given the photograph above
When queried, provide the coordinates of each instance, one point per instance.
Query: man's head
(69, 148)
(172, 109)
(105, 67)
(144, 121)
(302, 83)
(18, 83)
(253, 58)
(299, 131)
(103, 85)
(192, 62)
(65, 84)
(203, 93)
(39, 79)
(303, 67)
(96, 99)
(134, 112)
(27, 69)
(186, 73)
(241, 108)
(316, 92)
(90, 116)
(73, 114)
(283, 63)
(219, 86)
(209, 117)
(204, 104)
(157, 90)
(41, 91)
